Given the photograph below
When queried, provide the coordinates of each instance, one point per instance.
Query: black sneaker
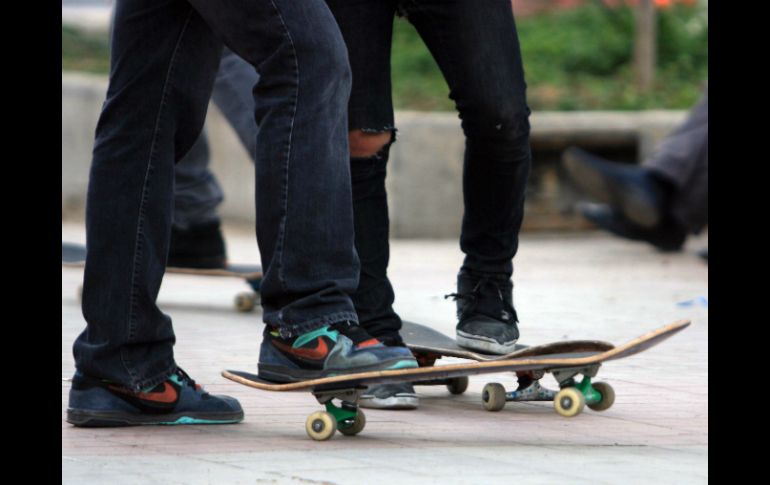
(199, 246)
(487, 319)
(177, 400)
(342, 348)
(400, 395)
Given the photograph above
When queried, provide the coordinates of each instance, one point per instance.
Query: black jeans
(476, 47)
(165, 55)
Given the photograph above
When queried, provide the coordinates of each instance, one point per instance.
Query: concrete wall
(424, 181)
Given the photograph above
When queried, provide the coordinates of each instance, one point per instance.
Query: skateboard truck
(573, 396)
(569, 401)
(346, 417)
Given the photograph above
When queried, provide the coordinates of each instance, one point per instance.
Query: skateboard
(74, 256)
(569, 401)
(428, 345)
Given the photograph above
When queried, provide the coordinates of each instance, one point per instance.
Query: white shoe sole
(399, 401)
(484, 344)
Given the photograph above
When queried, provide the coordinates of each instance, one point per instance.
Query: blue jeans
(164, 60)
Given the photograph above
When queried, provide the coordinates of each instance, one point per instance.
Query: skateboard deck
(569, 401)
(73, 255)
(427, 341)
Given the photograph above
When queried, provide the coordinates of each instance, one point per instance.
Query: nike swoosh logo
(317, 353)
(167, 396)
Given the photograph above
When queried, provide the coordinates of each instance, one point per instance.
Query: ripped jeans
(476, 47)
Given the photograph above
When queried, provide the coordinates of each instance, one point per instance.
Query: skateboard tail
(647, 340)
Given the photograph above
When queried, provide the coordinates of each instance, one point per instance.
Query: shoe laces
(352, 331)
(185, 378)
(473, 297)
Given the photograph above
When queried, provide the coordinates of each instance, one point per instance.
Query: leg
(304, 214)
(477, 50)
(683, 160)
(155, 106)
(196, 238)
(233, 96)
(367, 30)
(659, 202)
(303, 192)
(154, 110)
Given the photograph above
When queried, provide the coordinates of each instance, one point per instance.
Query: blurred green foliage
(84, 52)
(573, 59)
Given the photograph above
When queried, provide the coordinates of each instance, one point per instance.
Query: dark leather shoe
(631, 190)
(666, 236)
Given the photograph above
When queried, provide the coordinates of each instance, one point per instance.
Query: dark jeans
(683, 159)
(476, 47)
(164, 59)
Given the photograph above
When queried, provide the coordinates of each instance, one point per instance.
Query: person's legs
(196, 237)
(659, 201)
(367, 29)
(683, 160)
(304, 213)
(154, 109)
(164, 61)
(233, 96)
(477, 49)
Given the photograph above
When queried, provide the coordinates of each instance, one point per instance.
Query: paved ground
(587, 286)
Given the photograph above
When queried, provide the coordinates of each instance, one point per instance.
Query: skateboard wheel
(493, 396)
(608, 396)
(457, 385)
(79, 293)
(320, 426)
(569, 402)
(357, 427)
(245, 302)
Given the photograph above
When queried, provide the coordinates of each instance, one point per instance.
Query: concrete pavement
(584, 285)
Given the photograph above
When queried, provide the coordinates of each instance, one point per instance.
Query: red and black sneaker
(177, 400)
(342, 348)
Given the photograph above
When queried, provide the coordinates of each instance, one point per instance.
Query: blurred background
(611, 76)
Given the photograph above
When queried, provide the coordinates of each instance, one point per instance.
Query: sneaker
(486, 317)
(177, 400)
(400, 395)
(199, 246)
(342, 348)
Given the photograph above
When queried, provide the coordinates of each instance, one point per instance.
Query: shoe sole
(634, 204)
(280, 374)
(483, 344)
(109, 419)
(399, 401)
